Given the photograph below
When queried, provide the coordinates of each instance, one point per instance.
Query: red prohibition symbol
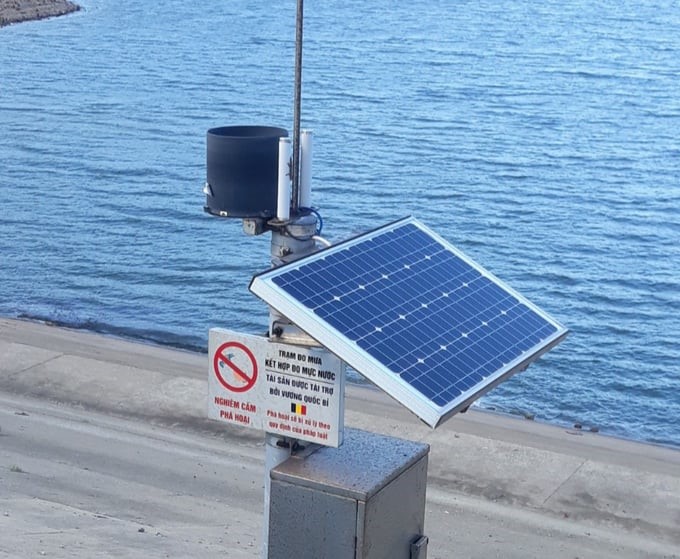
(245, 377)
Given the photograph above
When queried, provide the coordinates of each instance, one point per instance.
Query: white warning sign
(296, 391)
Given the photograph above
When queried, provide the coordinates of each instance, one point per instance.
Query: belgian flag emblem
(299, 409)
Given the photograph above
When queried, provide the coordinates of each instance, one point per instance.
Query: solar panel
(413, 314)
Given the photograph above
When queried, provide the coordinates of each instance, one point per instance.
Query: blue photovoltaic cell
(413, 314)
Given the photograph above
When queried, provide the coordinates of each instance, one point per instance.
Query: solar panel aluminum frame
(371, 368)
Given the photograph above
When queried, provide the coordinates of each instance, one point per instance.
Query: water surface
(540, 139)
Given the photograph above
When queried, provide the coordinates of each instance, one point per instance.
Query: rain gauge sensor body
(399, 304)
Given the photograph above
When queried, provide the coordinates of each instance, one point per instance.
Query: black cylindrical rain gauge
(242, 171)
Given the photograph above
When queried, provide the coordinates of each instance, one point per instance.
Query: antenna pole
(296, 109)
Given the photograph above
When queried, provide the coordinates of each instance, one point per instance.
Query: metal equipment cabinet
(364, 500)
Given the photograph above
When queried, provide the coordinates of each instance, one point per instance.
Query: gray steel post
(289, 243)
(277, 451)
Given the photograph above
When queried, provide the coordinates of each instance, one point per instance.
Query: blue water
(540, 138)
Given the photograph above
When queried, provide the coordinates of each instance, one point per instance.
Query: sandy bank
(15, 11)
(568, 478)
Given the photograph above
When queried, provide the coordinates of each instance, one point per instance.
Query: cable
(325, 242)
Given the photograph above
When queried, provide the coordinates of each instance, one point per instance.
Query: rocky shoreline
(15, 11)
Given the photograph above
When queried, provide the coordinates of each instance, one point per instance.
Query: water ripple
(540, 138)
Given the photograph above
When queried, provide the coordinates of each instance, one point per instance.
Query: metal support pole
(296, 109)
(293, 241)
(277, 450)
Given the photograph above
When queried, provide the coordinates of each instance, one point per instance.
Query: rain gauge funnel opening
(243, 166)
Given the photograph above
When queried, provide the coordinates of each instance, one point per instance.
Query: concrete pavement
(603, 493)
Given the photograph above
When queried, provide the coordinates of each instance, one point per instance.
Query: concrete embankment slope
(577, 482)
(16, 11)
